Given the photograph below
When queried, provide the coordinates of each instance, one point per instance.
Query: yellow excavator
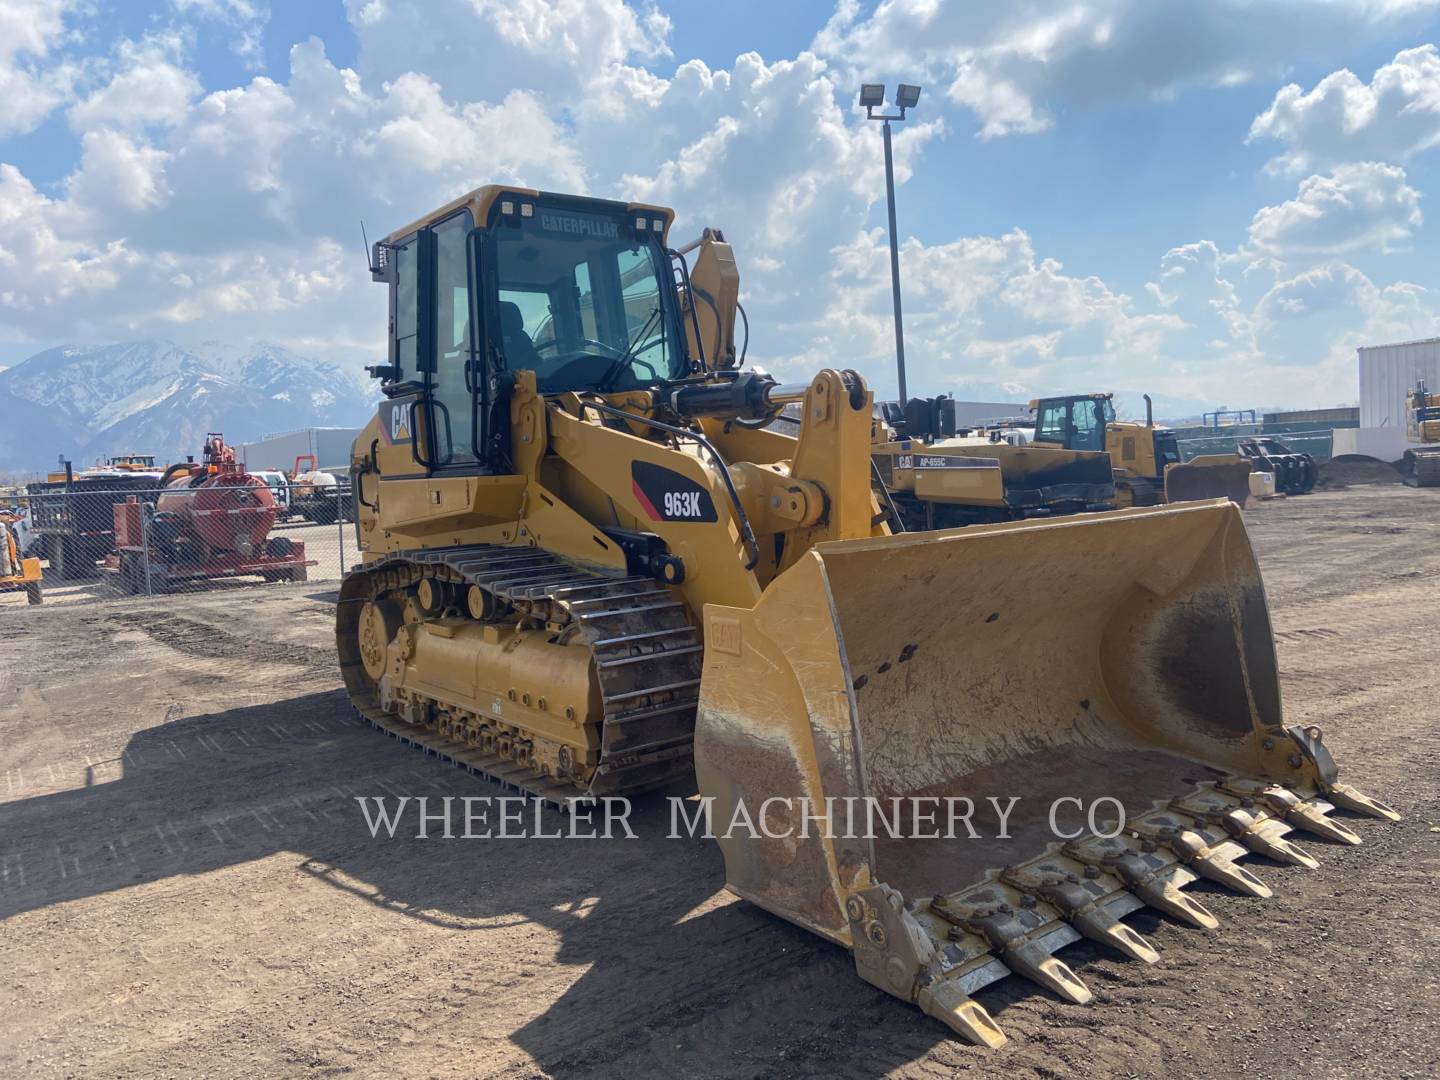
(1421, 464)
(1146, 458)
(589, 564)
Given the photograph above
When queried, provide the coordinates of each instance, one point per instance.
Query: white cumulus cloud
(150, 86)
(245, 19)
(1366, 205)
(1013, 64)
(117, 172)
(32, 82)
(484, 49)
(1393, 117)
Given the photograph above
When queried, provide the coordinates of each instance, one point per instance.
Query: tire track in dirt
(209, 642)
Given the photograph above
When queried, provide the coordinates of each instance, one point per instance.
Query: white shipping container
(1387, 371)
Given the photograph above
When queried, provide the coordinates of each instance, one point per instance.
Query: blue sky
(1080, 205)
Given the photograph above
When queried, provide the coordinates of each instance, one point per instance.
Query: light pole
(872, 96)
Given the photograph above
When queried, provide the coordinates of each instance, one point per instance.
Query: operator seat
(520, 352)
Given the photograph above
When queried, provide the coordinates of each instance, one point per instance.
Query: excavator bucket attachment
(957, 752)
(1209, 476)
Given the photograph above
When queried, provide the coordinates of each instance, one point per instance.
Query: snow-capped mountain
(156, 397)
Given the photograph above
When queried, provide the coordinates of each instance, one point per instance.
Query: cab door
(1087, 425)
(432, 407)
(1052, 422)
(450, 399)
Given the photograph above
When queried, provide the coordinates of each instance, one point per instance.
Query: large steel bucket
(1118, 661)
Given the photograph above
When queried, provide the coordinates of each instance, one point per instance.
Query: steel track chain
(647, 660)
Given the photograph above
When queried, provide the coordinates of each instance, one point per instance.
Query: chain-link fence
(101, 542)
(1316, 442)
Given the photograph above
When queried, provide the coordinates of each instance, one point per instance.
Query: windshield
(585, 303)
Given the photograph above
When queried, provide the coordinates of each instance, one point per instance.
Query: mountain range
(156, 397)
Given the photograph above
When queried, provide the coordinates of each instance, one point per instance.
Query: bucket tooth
(1166, 896)
(1313, 820)
(1031, 960)
(1306, 814)
(1222, 871)
(1347, 798)
(947, 1002)
(1213, 863)
(897, 950)
(1269, 842)
(1083, 902)
(1023, 938)
(1241, 819)
(1210, 855)
(1098, 925)
(1149, 874)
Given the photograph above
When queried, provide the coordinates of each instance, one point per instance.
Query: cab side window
(1051, 425)
(403, 318)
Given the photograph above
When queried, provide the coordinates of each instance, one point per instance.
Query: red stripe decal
(646, 503)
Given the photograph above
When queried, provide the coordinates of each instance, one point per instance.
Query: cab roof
(481, 199)
(1035, 402)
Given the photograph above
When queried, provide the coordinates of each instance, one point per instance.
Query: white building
(329, 446)
(1386, 373)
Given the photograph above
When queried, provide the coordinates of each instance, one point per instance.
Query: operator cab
(1076, 423)
(579, 291)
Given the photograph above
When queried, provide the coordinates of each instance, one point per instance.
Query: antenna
(368, 265)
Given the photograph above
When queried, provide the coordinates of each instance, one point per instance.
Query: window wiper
(623, 360)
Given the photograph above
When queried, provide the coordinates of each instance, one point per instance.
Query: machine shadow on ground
(198, 794)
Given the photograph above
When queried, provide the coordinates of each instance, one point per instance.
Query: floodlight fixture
(872, 95)
(907, 96)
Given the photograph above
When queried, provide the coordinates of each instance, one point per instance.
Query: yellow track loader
(1421, 463)
(1146, 459)
(589, 565)
(936, 478)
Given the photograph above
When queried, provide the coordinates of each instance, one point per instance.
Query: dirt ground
(187, 888)
(1352, 469)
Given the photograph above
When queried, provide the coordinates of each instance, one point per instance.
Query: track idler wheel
(379, 622)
